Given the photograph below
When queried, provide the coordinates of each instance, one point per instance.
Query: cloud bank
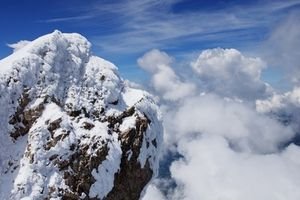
(164, 80)
(212, 170)
(229, 73)
(240, 124)
(228, 127)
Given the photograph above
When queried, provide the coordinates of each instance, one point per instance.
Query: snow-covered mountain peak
(71, 128)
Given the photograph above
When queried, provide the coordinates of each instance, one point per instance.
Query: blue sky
(121, 31)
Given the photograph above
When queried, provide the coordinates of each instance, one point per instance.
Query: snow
(149, 106)
(128, 123)
(106, 171)
(130, 96)
(61, 66)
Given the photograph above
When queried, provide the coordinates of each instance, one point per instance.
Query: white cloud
(282, 49)
(67, 19)
(211, 170)
(246, 129)
(153, 193)
(18, 45)
(153, 60)
(164, 80)
(285, 107)
(288, 101)
(230, 150)
(229, 73)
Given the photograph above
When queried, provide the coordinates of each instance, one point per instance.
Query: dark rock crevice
(23, 118)
(77, 168)
(132, 177)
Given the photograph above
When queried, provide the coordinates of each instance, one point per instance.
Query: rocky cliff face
(71, 128)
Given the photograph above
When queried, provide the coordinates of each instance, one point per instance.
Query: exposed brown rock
(154, 143)
(78, 169)
(23, 118)
(113, 120)
(88, 125)
(132, 178)
(54, 125)
(129, 181)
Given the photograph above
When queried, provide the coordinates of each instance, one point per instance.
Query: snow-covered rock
(71, 128)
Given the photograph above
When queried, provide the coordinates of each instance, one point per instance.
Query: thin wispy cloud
(140, 25)
(146, 24)
(67, 19)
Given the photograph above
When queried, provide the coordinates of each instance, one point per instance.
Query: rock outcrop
(71, 128)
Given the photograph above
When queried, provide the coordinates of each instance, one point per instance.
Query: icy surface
(69, 95)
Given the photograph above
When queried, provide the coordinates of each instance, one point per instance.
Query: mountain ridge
(72, 127)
